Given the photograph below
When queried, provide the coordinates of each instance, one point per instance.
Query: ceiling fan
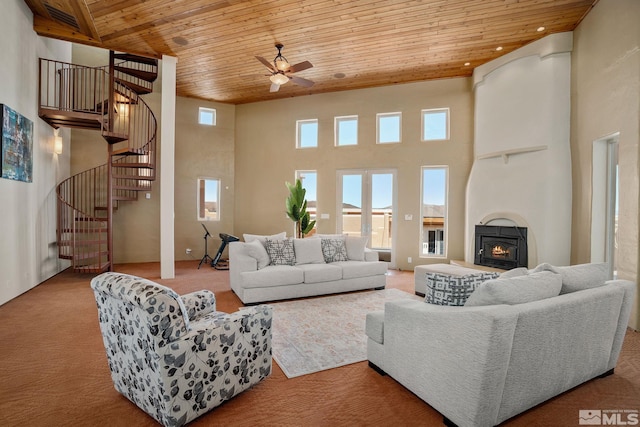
(280, 70)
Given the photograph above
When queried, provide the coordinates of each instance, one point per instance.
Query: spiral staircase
(106, 99)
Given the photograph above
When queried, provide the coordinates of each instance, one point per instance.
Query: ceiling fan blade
(274, 87)
(302, 82)
(266, 63)
(299, 67)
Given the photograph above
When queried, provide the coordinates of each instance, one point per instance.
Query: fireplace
(501, 246)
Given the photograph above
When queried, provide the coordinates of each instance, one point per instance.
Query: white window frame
(199, 199)
(426, 112)
(337, 121)
(299, 125)
(383, 115)
(211, 111)
(445, 227)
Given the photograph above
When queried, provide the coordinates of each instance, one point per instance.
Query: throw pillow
(580, 276)
(250, 237)
(308, 251)
(256, 250)
(355, 247)
(444, 289)
(280, 251)
(517, 290)
(334, 250)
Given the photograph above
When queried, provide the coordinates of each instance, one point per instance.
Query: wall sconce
(57, 142)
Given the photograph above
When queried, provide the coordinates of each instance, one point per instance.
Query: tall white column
(167, 167)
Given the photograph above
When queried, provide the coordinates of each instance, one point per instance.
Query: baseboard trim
(377, 369)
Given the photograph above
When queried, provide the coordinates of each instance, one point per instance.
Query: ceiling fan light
(281, 63)
(279, 79)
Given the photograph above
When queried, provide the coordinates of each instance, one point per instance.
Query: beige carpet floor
(53, 371)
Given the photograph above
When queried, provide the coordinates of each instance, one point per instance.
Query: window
(434, 211)
(435, 124)
(309, 181)
(307, 133)
(207, 116)
(346, 130)
(208, 199)
(388, 128)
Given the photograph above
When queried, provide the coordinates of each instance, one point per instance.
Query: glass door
(366, 207)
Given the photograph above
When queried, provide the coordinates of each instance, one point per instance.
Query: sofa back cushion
(580, 276)
(517, 290)
(308, 251)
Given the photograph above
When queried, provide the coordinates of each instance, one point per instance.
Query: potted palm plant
(297, 209)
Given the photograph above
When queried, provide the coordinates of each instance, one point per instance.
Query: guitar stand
(206, 256)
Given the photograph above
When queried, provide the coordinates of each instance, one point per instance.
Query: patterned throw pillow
(443, 289)
(280, 251)
(334, 250)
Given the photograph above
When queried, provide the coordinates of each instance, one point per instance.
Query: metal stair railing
(83, 226)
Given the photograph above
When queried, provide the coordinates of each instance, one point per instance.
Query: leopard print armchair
(176, 357)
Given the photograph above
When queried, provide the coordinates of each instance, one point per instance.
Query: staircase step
(131, 187)
(148, 76)
(136, 58)
(132, 165)
(114, 137)
(140, 90)
(129, 151)
(126, 198)
(82, 242)
(71, 119)
(89, 255)
(92, 268)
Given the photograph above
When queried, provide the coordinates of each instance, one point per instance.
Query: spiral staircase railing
(106, 99)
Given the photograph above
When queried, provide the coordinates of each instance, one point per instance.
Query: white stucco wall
(28, 254)
(522, 101)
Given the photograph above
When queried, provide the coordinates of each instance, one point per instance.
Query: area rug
(315, 334)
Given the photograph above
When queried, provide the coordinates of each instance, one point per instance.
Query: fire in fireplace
(501, 246)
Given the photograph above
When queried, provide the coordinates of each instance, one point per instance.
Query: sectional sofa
(518, 341)
(271, 268)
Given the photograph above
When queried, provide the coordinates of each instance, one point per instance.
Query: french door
(367, 206)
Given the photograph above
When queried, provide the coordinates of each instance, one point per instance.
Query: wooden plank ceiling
(351, 43)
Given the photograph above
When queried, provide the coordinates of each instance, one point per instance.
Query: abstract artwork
(17, 145)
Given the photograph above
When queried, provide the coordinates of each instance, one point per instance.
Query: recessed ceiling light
(180, 41)
(499, 48)
(540, 29)
(466, 64)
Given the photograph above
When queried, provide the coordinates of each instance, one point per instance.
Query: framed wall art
(17, 145)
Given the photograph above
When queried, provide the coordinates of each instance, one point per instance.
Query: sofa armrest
(454, 358)
(371, 255)
(199, 303)
(239, 262)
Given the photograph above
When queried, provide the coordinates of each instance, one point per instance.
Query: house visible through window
(346, 129)
(208, 199)
(435, 124)
(307, 133)
(388, 127)
(434, 211)
(207, 116)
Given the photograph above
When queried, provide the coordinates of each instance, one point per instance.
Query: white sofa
(479, 365)
(254, 280)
